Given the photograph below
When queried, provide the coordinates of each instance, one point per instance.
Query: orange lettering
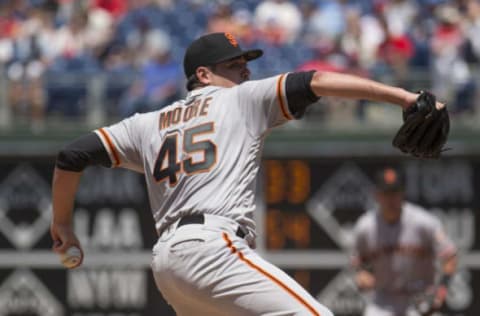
(165, 119)
(195, 107)
(231, 39)
(177, 114)
(206, 103)
(187, 115)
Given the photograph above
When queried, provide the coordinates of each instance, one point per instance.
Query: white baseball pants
(205, 269)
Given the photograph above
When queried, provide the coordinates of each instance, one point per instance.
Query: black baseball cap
(212, 49)
(390, 179)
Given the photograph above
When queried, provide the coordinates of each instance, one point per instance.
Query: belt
(200, 219)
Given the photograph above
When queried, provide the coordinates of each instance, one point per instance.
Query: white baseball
(72, 257)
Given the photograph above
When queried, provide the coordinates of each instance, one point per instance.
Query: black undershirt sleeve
(85, 151)
(299, 92)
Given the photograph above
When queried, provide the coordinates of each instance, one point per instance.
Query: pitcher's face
(226, 74)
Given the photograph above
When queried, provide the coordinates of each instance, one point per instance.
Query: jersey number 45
(167, 165)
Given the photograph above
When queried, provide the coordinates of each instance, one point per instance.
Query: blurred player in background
(396, 249)
(200, 157)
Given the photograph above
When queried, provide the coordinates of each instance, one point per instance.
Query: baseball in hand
(72, 257)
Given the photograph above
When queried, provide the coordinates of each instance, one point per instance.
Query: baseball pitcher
(200, 158)
(397, 247)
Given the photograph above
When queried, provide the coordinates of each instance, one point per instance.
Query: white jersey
(201, 154)
(402, 255)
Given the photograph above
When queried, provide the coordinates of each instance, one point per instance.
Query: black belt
(200, 219)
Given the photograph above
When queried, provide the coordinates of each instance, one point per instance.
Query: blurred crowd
(51, 50)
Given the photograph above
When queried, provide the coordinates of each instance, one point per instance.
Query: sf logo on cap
(231, 39)
(390, 176)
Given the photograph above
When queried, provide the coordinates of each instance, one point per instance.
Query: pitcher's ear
(204, 75)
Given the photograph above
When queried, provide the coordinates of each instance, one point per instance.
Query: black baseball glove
(431, 301)
(425, 129)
